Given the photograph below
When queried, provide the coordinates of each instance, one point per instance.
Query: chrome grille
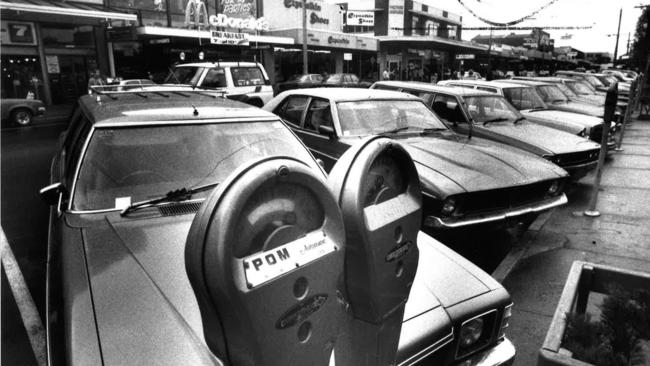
(504, 198)
(581, 157)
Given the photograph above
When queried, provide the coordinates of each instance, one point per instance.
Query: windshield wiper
(498, 119)
(395, 130)
(537, 109)
(178, 195)
(519, 119)
(554, 101)
(427, 131)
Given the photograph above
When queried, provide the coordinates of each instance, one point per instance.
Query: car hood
(566, 117)
(474, 165)
(581, 108)
(592, 98)
(146, 309)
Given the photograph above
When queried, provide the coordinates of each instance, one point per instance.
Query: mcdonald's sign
(196, 14)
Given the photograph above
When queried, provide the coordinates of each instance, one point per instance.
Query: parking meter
(265, 257)
(378, 190)
(611, 99)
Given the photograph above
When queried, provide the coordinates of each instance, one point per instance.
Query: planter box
(584, 278)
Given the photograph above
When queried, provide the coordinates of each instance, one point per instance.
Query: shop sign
(229, 38)
(18, 33)
(396, 9)
(338, 40)
(468, 56)
(238, 8)
(52, 63)
(360, 17)
(347, 56)
(196, 15)
(313, 17)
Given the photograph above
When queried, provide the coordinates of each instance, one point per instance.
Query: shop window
(69, 37)
(21, 75)
(319, 114)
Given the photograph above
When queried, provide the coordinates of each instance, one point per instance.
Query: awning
(67, 9)
(436, 43)
(206, 34)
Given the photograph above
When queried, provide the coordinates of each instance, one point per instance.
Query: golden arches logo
(194, 11)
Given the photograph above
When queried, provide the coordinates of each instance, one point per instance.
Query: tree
(641, 45)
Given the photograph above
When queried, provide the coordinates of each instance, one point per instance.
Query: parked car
(129, 84)
(591, 79)
(464, 182)
(243, 81)
(20, 111)
(491, 116)
(117, 289)
(345, 81)
(300, 82)
(576, 90)
(555, 99)
(609, 79)
(621, 75)
(530, 104)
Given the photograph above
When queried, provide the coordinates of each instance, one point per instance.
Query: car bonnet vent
(180, 208)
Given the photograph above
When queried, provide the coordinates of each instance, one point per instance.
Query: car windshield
(551, 94)
(580, 88)
(369, 117)
(593, 81)
(491, 109)
(171, 157)
(566, 90)
(524, 98)
(184, 75)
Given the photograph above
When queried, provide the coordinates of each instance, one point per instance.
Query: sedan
(345, 81)
(301, 81)
(133, 170)
(464, 181)
(20, 111)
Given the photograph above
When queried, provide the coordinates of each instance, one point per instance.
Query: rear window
(247, 76)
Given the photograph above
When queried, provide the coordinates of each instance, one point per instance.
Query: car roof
(497, 84)
(350, 94)
(434, 88)
(551, 79)
(527, 82)
(157, 106)
(219, 64)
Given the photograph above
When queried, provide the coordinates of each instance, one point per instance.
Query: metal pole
(592, 212)
(618, 33)
(489, 67)
(305, 65)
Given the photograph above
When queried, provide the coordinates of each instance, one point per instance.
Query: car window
(184, 75)
(490, 108)
(318, 114)
(425, 96)
(485, 88)
(171, 157)
(447, 107)
(566, 90)
(335, 78)
(523, 98)
(384, 87)
(551, 94)
(354, 78)
(247, 76)
(77, 149)
(215, 78)
(317, 78)
(366, 117)
(292, 108)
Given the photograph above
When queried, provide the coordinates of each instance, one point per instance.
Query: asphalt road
(26, 155)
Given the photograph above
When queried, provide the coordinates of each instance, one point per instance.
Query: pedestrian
(95, 80)
(385, 75)
(434, 78)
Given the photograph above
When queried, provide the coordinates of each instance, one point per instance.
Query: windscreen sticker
(122, 202)
(262, 267)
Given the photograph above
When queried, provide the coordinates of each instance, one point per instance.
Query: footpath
(619, 237)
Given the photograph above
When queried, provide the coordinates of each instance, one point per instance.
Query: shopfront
(50, 48)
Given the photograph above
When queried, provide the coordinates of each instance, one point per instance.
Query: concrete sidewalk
(619, 237)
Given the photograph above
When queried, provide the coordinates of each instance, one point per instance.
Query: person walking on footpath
(95, 79)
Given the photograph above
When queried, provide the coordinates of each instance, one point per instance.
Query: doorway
(72, 80)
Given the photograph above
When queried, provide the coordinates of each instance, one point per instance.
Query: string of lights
(497, 24)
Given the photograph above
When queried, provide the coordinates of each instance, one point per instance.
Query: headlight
(448, 206)
(471, 332)
(554, 188)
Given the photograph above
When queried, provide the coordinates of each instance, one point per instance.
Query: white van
(243, 81)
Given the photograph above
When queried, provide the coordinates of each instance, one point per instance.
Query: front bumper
(580, 170)
(501, 354)
(450, 223)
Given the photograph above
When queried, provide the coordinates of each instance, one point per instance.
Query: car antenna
(196, 111)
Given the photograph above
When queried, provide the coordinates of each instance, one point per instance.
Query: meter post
(610, 108)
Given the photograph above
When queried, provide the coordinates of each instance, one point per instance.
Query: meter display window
(291, 110)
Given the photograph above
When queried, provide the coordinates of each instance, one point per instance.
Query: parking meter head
(377, 187)
(265, 256)
(611, 99)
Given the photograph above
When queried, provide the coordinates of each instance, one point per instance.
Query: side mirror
(51, 193)
(327, 131)
(611, 100)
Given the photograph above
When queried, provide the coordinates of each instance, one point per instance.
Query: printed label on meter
(265, 266)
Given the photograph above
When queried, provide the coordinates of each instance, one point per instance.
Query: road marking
(24, 300)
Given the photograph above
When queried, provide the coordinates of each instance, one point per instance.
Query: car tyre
(21, 117)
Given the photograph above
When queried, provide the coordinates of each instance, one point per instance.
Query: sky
(601, 15)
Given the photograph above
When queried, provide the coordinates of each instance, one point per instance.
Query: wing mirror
(327, 131)
(52, 193)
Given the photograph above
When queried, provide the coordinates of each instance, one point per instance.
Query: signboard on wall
(287, 14)
(18, 33)
(360, 17)
(468, 56)
(238, 8)
(52, 63)
(229, 38)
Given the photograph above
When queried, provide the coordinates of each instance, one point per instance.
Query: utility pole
(489, 60)
(305, 65)
(618, 33)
